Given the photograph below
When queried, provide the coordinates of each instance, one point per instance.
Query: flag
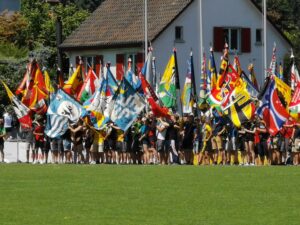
(273, 64)
(131, 77)
(60, 78)
(294, 106)
(212, 70)
(28, 76)
(239, 107)
(167, 86)
(271, 110)
(90, 85)
(251, 88)
(237, 65)
(186, 97)
(203, 85)
(48, 84)
(64, 105)
(56, 125)
(295, 78)
(280, 72)
(126, 105)
(295, 102)
(98, 120)
(284, 91)
(101, 99)
(253, 76)
(73, 85)
(21, 110)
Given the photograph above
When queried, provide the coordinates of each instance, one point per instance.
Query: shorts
(240, 144)
(296, 145)
(56, 145)
(121, 146)
(77, 148)
(262, 148)
(97, 148)
(161, 146)
(110, 145)
(67, 145)
(196, 147)
(231, 144)
(284, 145)
(39, 144)
(206, 146)
(216, 143)
(274, 143)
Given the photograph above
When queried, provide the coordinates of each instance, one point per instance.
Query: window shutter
(218, 39)
(139, 59)
(98, 63)
(120, 66)
(246, 40)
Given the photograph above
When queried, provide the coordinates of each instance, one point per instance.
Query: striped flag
(56, 125)
(21, 110)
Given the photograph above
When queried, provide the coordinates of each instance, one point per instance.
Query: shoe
(252, 164)
(93, 163)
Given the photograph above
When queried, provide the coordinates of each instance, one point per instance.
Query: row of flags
(101, 98)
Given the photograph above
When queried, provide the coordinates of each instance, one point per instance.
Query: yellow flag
(49, 86)
(284, 89)
(72, 86)
(168, 75)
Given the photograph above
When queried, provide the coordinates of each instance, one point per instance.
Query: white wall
(109, 55)
(217, 13)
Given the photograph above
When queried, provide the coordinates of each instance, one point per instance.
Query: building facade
(117, 34)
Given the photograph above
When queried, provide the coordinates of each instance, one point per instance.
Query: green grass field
(158, 195)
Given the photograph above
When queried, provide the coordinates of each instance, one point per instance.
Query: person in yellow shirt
(98, 147)
(120, 147)
(206, 148)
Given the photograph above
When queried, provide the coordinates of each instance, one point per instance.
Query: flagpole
(265, 36)
(201, 32)
(146, 31)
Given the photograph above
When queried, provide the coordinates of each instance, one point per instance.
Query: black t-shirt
(297, 133)
(188, 135)
(171, 132)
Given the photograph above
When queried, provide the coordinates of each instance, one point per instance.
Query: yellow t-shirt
(99, 137)
(206, 130)
(120, 136)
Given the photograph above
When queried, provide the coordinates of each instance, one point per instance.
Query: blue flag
(126, 105)
(56, 126)
(66, 106)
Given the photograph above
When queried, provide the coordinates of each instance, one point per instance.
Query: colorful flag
(73, 85)
(167, 87)
(21, 110)
(212, 70)
(48, 84)
(203, 85)
(90, 85)
(98, 120)
(273, 70)
(280, 72)
(56, 125)
(126, 105)
(295, 78)
(131, 77)
(271, 110)
(64, 105)
(251, 88)
(186, 97)
(252, 76)
(295, 102)
(239, 106)
(284, 91)
(101, 99)
(237, 65)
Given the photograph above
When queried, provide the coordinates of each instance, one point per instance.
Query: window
(233, 37)
(179, 33)
(258, 36)
(91, 61)
(238, 39)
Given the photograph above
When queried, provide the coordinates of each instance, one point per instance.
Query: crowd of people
(188, 140)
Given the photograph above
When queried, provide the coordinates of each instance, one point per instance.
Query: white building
(115, 31)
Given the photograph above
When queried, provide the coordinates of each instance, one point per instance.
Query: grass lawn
(158, 195)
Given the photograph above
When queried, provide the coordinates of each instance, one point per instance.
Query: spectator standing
(2, 136)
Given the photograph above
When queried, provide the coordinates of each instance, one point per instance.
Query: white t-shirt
(7, 120)
(161, 135)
